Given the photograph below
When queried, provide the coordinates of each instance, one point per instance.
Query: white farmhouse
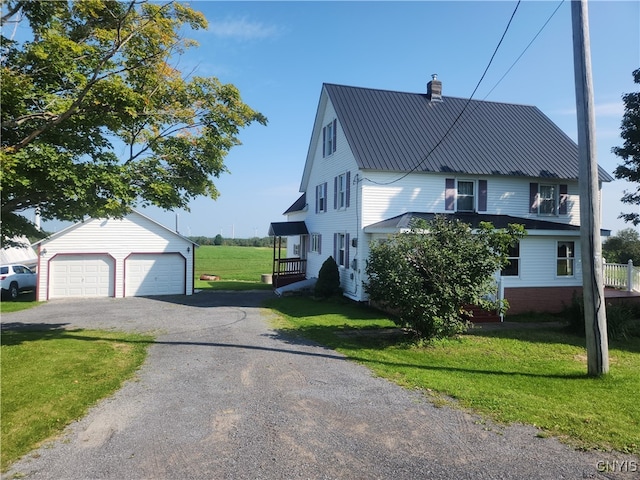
(378, 159)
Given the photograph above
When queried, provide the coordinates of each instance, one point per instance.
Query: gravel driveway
(222, 396)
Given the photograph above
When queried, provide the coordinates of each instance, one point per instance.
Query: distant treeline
(239, 242)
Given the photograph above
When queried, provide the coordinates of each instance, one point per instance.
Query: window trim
(321, 198)
(515, 249)
(342, 192)
(315, 243)
(480, 193)
(561, 196)
(474, 197)
(570, 259)
(329, 138)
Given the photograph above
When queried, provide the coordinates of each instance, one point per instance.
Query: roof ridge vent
(434, 89)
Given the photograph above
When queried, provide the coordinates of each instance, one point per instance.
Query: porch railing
(289, 266)
(622, 276)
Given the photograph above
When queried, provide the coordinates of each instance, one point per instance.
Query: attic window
(329, 138)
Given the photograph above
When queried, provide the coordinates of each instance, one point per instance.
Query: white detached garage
(132, 256)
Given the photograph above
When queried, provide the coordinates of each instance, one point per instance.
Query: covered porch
(288, 270)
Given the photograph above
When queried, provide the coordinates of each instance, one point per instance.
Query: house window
(296, 250)
(321, 198)
(465, 198)
(329, 135)
(316, 243)
(566, 255)
(512, 269)
(341, 245)
(548, 199)
(547, 202)
(341, 191)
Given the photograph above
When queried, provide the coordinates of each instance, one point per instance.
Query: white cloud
(611, 109)
(242, 29)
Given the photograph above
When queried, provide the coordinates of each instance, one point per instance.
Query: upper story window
(465, 199)
(329, 137)
(566, 256)
(321, 197)
(548, 199)
(342, 190)
(465, 195)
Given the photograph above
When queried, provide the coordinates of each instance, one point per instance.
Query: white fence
(625, 277)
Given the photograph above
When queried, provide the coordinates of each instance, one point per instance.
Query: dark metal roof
(396, 131)
(286, 229)
(499, 221)
(298, 205)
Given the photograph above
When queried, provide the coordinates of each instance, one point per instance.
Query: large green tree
(430, 276)
(96, 118)
(622, 247)
(630, 151)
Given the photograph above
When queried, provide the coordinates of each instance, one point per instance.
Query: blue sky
(279, 54)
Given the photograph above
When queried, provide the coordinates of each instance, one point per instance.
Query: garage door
(81, 276)
(154, 274)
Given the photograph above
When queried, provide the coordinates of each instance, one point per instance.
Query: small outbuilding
(131, 256)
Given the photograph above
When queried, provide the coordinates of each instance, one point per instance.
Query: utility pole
(595, 315)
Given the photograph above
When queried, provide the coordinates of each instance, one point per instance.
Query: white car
(15, 279)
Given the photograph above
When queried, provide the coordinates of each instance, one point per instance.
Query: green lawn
(532, 376)
(52, 377)
(239, 268)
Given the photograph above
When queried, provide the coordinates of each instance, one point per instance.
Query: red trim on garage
(124, 268)
(76, 254)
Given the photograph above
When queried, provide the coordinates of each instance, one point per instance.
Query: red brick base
(539, 299)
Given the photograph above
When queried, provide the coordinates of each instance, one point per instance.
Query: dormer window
(329, 134)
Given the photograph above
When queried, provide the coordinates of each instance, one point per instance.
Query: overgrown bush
(328, 283)
(623, 320)
(429, 277)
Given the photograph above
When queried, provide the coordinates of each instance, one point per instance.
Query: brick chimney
(434, 89)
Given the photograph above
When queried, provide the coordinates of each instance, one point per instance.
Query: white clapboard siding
(117, 239)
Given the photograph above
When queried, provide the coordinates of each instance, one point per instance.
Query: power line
(451, 127)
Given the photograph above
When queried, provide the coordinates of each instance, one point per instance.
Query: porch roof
(287, 229)
(403, 222)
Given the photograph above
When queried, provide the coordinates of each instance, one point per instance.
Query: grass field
(535, 376)
(239, 268)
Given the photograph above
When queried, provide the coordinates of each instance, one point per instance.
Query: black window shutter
(335, 193)
(533, 197)
(317, 198)
(482, 195)
(319, 243)
(346, 250)
(348, 200)
(324, 141)
(335, 135)
(449, 194)
(335, 247)
(564, 194)
(326, 207)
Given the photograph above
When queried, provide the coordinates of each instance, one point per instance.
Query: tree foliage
(622, 247)
(431, 275)
(95, 117)
(328, 283)
(630, 151)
